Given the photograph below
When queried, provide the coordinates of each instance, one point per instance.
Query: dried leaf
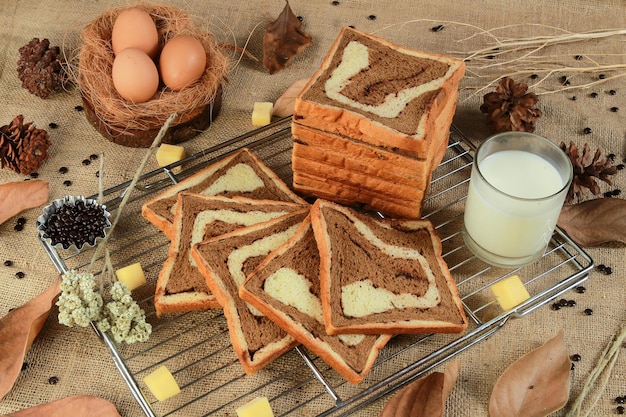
(535, 385)
(284, 105)
(18, 329)
(284, 40)
(425, 397)
(75, 406)
(16, 197)
(596, 221)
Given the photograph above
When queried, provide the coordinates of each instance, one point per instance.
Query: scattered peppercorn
(8, 263)
(63, 170)
(86, 162)
(587, 130)
(575, 357)
(580, 289)
(20, 275)
(437, 28)
(614, 109)
(79, 108)
(588, 312)
(53, 380)
(52, 125)
(67, 183)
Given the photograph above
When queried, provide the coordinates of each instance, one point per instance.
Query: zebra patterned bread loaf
(239, 174)
(286, 288)
(373, 123)
(180, 286)
(225, 261)
(382, 275)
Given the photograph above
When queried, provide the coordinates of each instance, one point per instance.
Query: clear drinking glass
(518, 184)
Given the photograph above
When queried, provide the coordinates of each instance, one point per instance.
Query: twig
(155, 144)
(603, 368)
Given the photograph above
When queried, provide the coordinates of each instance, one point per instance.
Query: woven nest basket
(137, 124)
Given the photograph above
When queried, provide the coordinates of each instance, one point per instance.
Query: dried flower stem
(602, 371)
(131, 187)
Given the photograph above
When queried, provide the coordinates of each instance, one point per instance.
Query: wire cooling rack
(196, 347)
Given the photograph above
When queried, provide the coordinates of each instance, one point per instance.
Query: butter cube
(262, 113)
(131, 275)
(510, 292)
(162, 384)
(168, 154)
(259, 407)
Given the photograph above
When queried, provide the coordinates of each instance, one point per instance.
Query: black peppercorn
(20, 275)
(588, 312)
(53, 380)
(18, 227)
(86, 162)
(620, 400)
(608, 270)
(21, 221)
(575, 357)
(612, 92)
(601, 267)
(67, 183)
(620, 409)
(580, 289)
(372, 17)
(93, 156)
(614, 109)
(63, 170)
(8, 263)
(555, 306)
(573, 98)
(587, 130)
(593, 95)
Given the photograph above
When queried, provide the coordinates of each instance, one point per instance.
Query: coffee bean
(437, 28)
(20, 275)
(79, 108)
(587, 130)
(67, 183)
(53, 380)
(93, 156)
(588, 312)
(86, 162)
(575, 357)
(614, 109)
(8, 263)
(580, 289)
(63, 170)
(53, 125)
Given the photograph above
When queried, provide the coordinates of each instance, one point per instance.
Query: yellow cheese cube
(510, 292)
(262, 113)
(161, 383)
(131, 275)
(168, 154)
(259, 407)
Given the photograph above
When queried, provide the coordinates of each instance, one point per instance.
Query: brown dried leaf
(284, 105)
(18, 329)
(536, 384)
(596, 221)
(16, 197)
(425, 397)
(284, 40)
(76, 406)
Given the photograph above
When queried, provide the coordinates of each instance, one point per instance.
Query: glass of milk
(517, 187)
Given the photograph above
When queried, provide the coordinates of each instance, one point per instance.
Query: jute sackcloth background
(82, 364)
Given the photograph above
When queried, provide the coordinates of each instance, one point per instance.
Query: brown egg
(135, 28)
(182, 62)
(135, 76)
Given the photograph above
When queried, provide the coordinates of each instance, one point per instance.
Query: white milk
(512, 222)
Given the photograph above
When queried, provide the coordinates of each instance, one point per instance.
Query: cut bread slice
(241, 173)
(225, 261)
(383, 275)
(371, 90)
(180, 286)
(286, 288)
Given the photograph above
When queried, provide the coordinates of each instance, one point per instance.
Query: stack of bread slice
(373, 123)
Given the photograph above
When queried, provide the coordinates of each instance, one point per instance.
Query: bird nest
(136, 124)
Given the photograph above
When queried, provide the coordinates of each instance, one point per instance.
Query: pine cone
(23, 148)
(510, 108)
(588, 169)
(40, 68)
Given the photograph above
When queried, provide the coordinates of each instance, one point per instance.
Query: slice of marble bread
(225, 261)
(286, 288)
(241, 173)
(383, 275)
(180, 286)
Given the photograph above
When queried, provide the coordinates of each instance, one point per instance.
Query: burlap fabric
(82, 364)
